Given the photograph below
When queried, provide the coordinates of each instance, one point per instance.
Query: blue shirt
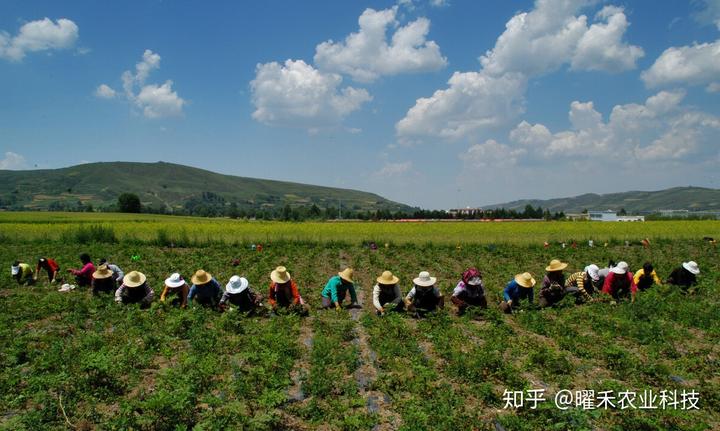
(210, 290)
(513, 291)
(336, 288)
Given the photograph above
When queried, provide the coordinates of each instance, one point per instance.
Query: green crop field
(74, 361)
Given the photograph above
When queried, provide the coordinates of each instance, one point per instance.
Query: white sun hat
(692, 266)
(175, 280)
(236, 285)
(593, 271)
(620, 268)
(15, 270)
(424, 280)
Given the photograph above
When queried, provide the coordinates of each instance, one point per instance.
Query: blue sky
(428, 102)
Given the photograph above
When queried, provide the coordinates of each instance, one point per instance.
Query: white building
(610, 215)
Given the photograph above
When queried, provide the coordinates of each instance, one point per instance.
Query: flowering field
(70, 360)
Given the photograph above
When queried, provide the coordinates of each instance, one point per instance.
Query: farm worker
(337, 287)
(469, 292)
(581, 283)
(175, 285)
(103, 280)
(22, 272)
(620, 283)
(284, 292)
(238, 293)
(386, 294)
(118, 273)
(593, 281)
(553, 286)
(205, 289)
(83, 276)
(684, 275)
(519, 288)
(646, 276)
(424, 297)
(135, 290)
(50, 266)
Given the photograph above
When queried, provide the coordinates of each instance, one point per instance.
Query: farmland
(76, 361)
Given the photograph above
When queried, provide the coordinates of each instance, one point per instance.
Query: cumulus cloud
(105, 92)
(533, 43)
(393, 169)
(13, 161)
(659, 129)
(367, 54)
(491, 154)
(40, 35)
(698, 64)
(155, 101)
(710, 14)
(297, 94)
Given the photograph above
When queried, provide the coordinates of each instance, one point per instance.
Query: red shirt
(608, 285)
(274, 288)
(52, 264)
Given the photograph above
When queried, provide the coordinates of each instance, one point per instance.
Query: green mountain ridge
(676, 198)
(170, 186)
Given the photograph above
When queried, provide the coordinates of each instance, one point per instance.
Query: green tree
(129, 203)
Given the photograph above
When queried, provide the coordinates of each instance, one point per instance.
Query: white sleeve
(376, 297)
(458, 289)
(411, 294)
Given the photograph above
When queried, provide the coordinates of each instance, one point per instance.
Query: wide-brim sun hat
(15, 270)
(236, 285)
(424, 280)
(134, 279)
(280, 275)
(556, 265)
(175, 280)
(593, 271)
(620, 269)
(346, 274)
(102, 273)
(692, 266)
(387, 277)
(201, 277)
(525, 280)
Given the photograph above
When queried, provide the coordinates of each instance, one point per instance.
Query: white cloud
(395, 169)
(533, 43)
(472, 102)
(13, 161)
(40, 35)
(710, 14)
(297, 94)
(490, 154)
(659, 129)
(686, 65)
(105, 92)
(367, 55)
(713, 87)
(155, 101)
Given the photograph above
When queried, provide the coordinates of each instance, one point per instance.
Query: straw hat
(620, 268)
(201, 277)
(692, 266)
(525, 280)
(387, 277)
(424, 280)
(556, 265)
(175, 280)
(346, 274)
(102, 273)
(236, 285)
(280, 275)
(134, 279)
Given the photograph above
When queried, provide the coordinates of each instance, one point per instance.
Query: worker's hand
(613, 302)
(381, 310)
(509, 302)
(337, 306)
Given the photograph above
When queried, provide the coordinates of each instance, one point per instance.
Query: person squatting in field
(646, 276)
(469, 292)
(684, 276)
(135, 290)
(337, 287)
(584, 282)
(22, 273)
(386, 294)
(103, 280)
(83, 276)
(519, 288)
(620, 283)
(424, 297)
(175, 286)
(284, 293)
(553, 288)
(51, 268)
(238, 294)
(118, 273)
(205, 290)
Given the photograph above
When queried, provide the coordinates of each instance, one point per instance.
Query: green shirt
(336, 288)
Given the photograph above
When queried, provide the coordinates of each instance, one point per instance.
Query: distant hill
(689, 198)
(169, 186)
